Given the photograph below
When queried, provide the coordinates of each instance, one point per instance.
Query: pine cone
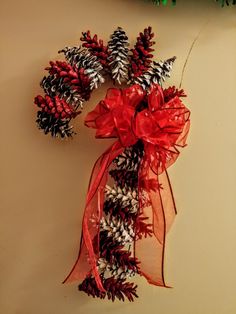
(107, 245)
(141, 54)
(115, 288)
(120, 231)
(115, 209)
(119, 264)
(125, 197)
(120, 273)
(171, 92)
(82, 59)
(113, 269)
(156, 74)
(129, 159)
(57, 127)
(76, 78)
(114, 259)
(118, 59)
(56, 107)
(95, 47)
(55, 86)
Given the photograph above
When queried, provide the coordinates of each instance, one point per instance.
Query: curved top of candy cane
(69, 83)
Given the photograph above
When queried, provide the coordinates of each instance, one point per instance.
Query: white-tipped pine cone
(126, 197)
(156, 74)
(128, 160)
(119, 230)
(115, 270)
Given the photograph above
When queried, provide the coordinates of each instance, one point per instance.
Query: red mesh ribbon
(162, 127)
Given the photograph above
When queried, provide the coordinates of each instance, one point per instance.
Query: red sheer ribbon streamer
(163, 128)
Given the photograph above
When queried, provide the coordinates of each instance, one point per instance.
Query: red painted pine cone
(57, 107)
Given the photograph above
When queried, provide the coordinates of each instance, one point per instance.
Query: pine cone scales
(116, 270)
(95, 47)
(57, 107)
(129, 159)
(83, 59)
(115, 288)
(140, 59)
(156, 74)
(125, 178)
(124, 196)
(54, 86)
(56, 127)
(77, 79)
(121, 232)
(120, 257)
(119, 62)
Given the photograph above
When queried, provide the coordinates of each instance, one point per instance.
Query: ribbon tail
(86, 262)
(160, 212)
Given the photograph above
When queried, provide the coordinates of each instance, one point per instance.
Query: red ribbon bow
(131, 115)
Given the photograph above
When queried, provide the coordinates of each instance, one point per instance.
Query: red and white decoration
(130, 205)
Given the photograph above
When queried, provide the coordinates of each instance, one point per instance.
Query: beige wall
(44, 181)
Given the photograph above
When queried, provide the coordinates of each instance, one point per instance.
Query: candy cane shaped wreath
(129, 205)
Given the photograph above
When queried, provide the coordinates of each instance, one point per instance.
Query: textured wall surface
(44, 181)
